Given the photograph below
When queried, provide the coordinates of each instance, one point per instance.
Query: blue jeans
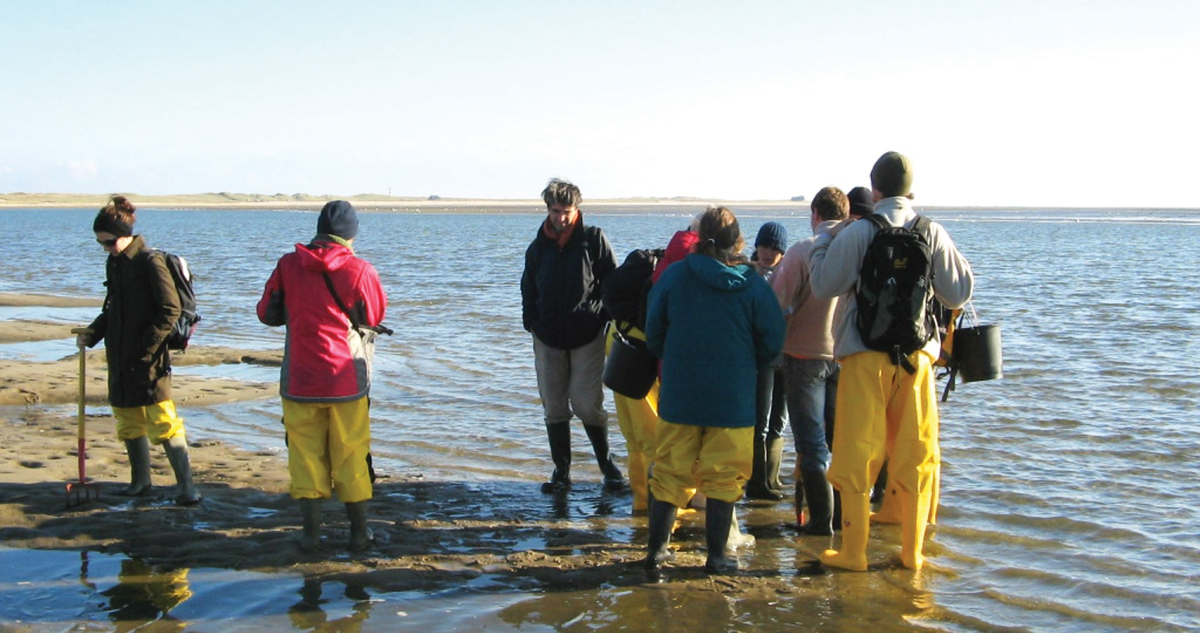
(771, 414)
(811, 397)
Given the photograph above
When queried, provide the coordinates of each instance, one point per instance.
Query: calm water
(1069, 487)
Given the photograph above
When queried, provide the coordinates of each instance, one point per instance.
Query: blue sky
(1026, 103)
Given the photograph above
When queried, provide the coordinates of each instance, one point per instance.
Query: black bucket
(977, 353)
(630, 368)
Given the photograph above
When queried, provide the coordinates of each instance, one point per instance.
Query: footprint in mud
(32, 464)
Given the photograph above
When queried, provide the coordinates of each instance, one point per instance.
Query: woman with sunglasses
(139, 310)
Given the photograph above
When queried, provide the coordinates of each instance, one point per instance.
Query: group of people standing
(745, 345)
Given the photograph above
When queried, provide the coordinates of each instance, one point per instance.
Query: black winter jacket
(139, 310)
(560, 288)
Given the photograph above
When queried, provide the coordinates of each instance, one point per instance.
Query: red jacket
(325, 359)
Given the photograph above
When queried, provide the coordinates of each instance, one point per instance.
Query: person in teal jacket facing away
(714, 322)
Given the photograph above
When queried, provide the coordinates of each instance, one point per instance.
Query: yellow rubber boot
(639, 481)
(856, 513)
(915, 508)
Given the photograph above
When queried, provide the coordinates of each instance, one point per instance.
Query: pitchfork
(82, 491)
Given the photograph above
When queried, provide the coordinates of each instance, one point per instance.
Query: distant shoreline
(375, 203)
(379, 203)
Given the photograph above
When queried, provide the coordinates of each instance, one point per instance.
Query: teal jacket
(714, 326)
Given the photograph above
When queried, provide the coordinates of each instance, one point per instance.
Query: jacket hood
(717, 275)
(323, 256)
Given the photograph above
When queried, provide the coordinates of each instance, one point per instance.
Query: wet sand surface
(496, 549)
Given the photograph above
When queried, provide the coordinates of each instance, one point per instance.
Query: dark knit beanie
(338, 218)
(892, 175)
(772, 234)
(862, 202)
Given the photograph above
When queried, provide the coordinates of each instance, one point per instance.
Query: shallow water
(1068, 486)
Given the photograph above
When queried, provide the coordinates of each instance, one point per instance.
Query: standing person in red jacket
(330, 300)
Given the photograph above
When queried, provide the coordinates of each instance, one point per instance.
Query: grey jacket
(834, 266)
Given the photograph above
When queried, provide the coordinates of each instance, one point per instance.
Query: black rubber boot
(774, 462)
(310, 514)
(837, 510)
(819, 495)
(614, 481)
(361, 536)
(718, 516)
(560, 453)
(757, 486)
(662, 522)
(880, 487)
(139, 468)
(177, 454)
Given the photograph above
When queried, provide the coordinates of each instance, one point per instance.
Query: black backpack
(185, 325)
(623, 292)
(895, 291)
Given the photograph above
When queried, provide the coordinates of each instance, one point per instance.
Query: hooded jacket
(834, 265)
(560, 287)
(714, 326)
(324, 357)
(140, 308)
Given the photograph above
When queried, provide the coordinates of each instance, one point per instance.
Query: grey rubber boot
(560, 453)
(662, 522)
(361, 536)
(614, 481)
(718, 516)
(819, 496)
(139, 468)
(177, 454)
(310, 513)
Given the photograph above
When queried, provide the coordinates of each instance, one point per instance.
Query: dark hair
(122, 208)
(720, 236)
(562, 192)
(831, 203)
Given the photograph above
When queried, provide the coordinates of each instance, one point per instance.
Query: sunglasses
(108, 243)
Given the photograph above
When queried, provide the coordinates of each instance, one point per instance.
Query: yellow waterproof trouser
(884, 412)
(158, 422)
(718, 459)
(328, 445)
(638, 420)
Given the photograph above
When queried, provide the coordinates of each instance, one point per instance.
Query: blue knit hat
(862, 203)
(774, 235)
(338, 218)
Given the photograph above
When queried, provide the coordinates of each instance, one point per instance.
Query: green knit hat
(892, 175)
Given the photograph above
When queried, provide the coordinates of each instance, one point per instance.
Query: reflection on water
(145, 594)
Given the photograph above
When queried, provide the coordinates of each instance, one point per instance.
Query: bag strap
(380, 329)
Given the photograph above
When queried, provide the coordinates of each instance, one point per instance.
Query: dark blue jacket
(560, 288)
(714, 326)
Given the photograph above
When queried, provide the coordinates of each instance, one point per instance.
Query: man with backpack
(886, 279)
